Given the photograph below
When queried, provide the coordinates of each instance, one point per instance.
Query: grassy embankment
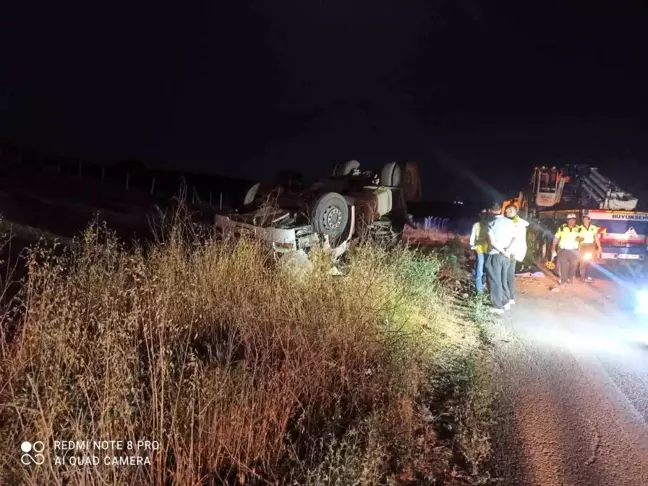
(242, 373)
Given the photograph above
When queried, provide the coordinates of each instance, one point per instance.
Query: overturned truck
(353, 203)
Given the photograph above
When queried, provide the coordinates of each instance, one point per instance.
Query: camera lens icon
(32, 453)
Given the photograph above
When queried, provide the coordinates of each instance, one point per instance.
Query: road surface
(574, 368)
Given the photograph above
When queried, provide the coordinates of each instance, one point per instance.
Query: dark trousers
(567, 264)
(509, 282)
(497, 267)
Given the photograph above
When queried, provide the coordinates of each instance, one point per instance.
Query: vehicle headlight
(641, 305)
(587, 256)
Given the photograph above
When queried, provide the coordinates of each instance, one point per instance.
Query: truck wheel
(330, 213)
(343, 169)
(251, 194)
(391, 175)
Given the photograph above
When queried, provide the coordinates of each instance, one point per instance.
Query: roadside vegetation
(242, 372)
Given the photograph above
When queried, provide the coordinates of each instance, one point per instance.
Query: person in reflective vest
(567, 241)
(590, 247)
(479, 244)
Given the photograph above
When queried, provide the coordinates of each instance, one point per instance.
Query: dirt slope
(574, 368)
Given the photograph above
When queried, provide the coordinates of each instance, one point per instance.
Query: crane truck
(554, 192)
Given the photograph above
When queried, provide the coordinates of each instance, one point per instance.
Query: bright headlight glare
(641, 306)
(587, 256)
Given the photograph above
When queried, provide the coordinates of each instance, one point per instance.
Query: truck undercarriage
(353, 204)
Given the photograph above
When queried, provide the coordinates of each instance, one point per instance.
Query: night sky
(476, 93)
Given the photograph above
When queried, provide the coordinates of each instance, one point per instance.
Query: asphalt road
(574, 371)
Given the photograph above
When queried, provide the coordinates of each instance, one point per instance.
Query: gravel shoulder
(574, 372)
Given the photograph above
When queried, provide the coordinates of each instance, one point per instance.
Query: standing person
(589, 243)
(501, 233)
(479, 244)
(518, 249)
(567, 241)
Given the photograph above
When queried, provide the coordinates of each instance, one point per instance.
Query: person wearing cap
(518, 250)
(479, 244)
(589, 243)
(501, 233)
(567, 240)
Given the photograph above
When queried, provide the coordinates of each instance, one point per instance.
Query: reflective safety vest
(588, 234)
(567, 237)
(479, 237)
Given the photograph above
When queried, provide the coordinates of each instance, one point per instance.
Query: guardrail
(444, 224)
(435, 222)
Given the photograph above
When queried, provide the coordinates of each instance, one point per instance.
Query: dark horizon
(476, 94)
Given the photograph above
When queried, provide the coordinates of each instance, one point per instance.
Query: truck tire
(343, 169)
(330, 215)
(391, 175)
(251, 194)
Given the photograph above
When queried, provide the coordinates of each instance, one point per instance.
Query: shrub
(240, 372)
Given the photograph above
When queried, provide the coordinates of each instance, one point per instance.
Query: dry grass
(240, 372)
